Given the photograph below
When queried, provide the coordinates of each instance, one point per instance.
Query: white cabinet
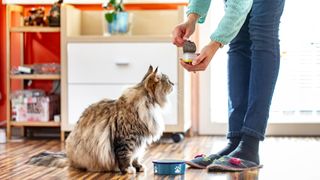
(119, 63)
(80, 96)
(99, 71)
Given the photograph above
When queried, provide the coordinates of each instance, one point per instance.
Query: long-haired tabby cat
(111, 135)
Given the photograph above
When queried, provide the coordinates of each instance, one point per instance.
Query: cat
(111, 135)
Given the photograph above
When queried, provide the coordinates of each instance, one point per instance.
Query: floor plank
(283, 158)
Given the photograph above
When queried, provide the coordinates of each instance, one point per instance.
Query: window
(296, 100)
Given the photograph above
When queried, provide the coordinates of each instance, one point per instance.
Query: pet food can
(189, 57)
(169, 167)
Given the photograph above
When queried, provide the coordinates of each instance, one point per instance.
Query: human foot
(202, 161)
(248, 149)
(232, 145)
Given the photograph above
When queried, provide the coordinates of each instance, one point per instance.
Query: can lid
(189, 46)
(169, 161)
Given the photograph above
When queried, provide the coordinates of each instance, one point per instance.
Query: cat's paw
(140, 168)
(130, 170)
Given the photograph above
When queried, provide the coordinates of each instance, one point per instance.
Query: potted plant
(116, 16)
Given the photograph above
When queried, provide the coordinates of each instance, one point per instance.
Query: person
(251, 28)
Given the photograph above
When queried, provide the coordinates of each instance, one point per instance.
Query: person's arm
(235, 15)
(199, 7)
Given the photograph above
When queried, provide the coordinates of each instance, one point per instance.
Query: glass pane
(297, 94)
(218, 87)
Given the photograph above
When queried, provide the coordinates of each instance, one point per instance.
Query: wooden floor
(283, 158)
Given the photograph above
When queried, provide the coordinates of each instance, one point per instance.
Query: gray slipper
(227, 163)
(202, 161)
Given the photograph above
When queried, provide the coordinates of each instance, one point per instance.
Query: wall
(2, 61)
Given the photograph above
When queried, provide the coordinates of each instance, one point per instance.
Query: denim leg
(239, 65)
(265, 59)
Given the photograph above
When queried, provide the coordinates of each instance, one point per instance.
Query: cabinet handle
(122, 63)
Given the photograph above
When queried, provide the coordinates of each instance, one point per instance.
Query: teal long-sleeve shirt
(235, 15)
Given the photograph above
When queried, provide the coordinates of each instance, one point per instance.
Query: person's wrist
(215, 44)
(193, 18)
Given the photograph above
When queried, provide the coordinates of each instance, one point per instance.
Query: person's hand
(183, 31)
(203, 59)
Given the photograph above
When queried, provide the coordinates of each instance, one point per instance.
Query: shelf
(120, 38)
(15, 26)
(37, 76)
(93, 2)
(35, 29)
(35, 124)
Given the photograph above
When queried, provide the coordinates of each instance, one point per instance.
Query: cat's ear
(155, 77)
(150, 70)
(155, 71)
(150, 82)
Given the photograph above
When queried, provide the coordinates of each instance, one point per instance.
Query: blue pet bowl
(169, 167)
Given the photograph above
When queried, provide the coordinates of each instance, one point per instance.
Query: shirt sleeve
(199, 7)
(229, 26)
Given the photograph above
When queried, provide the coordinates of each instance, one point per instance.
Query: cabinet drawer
(80, 96)
(123, 63)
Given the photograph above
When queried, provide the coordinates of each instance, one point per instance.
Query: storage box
(33, 105)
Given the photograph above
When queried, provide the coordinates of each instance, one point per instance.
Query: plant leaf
(112, 2)
(120, 8)
(110, 17)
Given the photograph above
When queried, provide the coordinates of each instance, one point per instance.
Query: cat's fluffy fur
(111, 135)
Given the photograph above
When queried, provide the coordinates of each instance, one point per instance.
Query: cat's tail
(49, 159)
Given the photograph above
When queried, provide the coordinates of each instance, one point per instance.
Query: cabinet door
(80, 96)
(119, 63)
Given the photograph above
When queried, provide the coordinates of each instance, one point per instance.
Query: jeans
(253, 66)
